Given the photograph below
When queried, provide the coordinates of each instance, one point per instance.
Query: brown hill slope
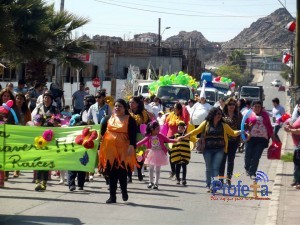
(268, 31)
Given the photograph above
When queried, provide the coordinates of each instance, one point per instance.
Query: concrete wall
(168, 63)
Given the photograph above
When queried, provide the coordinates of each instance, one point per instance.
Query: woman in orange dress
(117, 154)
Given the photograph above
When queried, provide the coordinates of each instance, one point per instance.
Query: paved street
(171, 204)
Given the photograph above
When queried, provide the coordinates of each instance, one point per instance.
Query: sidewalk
(284, 208)
(289, 200)
(258, 76)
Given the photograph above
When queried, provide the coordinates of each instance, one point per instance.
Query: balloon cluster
(180, 78)
(7, 107)
(285, 118)
(225, 80)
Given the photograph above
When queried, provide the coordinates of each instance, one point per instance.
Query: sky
(217, 20)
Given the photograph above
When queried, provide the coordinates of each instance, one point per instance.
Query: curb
(275, 200)
(272, 217)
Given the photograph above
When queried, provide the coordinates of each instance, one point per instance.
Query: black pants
(178, 168)
(115, 175)
(254, 149)
(139, 171)
(229, 157)
(80, 178)
(76, 111)
(42, 175)
(172, 165)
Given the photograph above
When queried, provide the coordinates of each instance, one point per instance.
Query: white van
(140, 87)
(170, 94)
(143, 90)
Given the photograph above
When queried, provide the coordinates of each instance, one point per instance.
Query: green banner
(48, 148)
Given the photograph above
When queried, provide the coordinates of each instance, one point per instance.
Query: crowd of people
(134, 134)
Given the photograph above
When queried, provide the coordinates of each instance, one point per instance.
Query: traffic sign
(96, 82)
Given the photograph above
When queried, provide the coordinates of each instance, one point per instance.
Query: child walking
(180, 153)
(156, 154)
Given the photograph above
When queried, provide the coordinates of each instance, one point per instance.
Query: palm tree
(237, 57)
(24, 24)
(37, 35)
(63, 46)
(6, 28)
(60, 45)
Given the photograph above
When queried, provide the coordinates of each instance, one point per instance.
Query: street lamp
(160, 39)
(166, 28)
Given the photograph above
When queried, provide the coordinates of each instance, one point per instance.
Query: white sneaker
(91, 177)
(61, 182)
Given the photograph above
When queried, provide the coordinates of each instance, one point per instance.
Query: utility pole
(62, 5)
(159, 27)
(251, 61)
(293, 63)
(297, 48)
(59, 67)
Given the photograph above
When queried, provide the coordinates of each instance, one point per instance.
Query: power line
(285, 8)
(170, 13)
(180, 10)
(201, 4)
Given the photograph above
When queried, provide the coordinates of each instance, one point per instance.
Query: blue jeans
(254, 149)
(213, 159)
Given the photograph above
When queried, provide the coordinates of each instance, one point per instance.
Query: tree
(286, 72)
(234, 73)
(6, 25)
(237, 57)
(25, 25)
(40, 35)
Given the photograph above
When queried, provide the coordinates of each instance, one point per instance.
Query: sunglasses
(98, 96)
(231, 104)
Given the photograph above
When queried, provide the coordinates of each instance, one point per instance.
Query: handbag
(274, 151)
(296, 157)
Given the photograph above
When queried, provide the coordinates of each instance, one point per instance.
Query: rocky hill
(268, 31)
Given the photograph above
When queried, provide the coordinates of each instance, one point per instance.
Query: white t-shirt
(199, 112)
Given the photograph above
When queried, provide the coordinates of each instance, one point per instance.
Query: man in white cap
(199, 112)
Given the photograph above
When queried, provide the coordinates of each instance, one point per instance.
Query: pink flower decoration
(48, 135)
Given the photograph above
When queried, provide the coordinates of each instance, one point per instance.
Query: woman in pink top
(261, 131)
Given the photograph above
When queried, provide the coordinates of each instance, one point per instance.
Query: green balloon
(180, 73)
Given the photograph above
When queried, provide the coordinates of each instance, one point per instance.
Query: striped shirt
(180, 152)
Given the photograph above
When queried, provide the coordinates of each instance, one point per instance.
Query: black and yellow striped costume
(180, 152)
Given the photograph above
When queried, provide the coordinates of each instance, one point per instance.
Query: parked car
(276, 83)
